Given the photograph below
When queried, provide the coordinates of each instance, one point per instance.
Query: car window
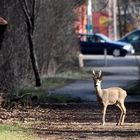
(133, 37)
(105, 38)
(85, 38)
(96, 39)
(93, 38)
(101, 39)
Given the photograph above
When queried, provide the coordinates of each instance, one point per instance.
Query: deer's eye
(98, 78)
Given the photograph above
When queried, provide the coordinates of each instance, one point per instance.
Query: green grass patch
(53, 82)
(10, 132)
(43, 93)
(58, 80)
(61, 79)
(134, 89)
(82, 74)
(47, 83)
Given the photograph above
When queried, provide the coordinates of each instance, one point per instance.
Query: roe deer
(109, 96)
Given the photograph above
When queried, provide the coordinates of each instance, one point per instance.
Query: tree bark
(34, 61)
(30, 22)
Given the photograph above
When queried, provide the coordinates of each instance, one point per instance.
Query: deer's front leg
(104, 112)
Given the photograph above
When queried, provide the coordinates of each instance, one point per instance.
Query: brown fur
(109, 96)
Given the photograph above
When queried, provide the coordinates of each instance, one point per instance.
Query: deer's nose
(96, 85)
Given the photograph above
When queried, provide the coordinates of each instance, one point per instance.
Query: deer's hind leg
(124, 113)
(121, 106)
(121, 115)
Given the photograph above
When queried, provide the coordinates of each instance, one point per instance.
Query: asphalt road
(123, 71)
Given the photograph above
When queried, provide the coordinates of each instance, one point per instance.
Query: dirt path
(76, 122)
(92, 131)
(82, 121)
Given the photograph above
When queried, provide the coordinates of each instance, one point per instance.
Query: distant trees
(128, 15)
(39, 40)
(55, 29)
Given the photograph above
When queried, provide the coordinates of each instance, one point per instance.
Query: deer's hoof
(119, 124)
(102, 124)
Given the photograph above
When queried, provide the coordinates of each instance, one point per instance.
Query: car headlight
(128, 47)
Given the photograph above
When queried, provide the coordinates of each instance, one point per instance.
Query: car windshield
(132, 36)
(103, 37)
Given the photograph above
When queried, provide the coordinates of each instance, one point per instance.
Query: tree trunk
(33, 60)
(30, 21)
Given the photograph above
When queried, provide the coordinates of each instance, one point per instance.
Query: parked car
(97, 43)
(133, 37)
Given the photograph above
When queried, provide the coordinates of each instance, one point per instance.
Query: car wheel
(116, 53)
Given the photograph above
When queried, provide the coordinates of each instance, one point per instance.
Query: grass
(84, 73)
(64, 78)
(53, 82)
(45, 96)
(134, 89)
(58, 80)
(10, 132)
(48, 83)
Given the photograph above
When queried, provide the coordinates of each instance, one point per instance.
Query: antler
(93, 72)
(100, 73)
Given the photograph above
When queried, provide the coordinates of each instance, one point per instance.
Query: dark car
(97, 43)
(133, 37)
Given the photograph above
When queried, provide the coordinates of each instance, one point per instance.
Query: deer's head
(97, 78)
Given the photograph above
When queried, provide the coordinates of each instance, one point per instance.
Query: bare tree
(15, 63)
(50, 34)
(56, 31)
(128, 15)
(30, 12)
